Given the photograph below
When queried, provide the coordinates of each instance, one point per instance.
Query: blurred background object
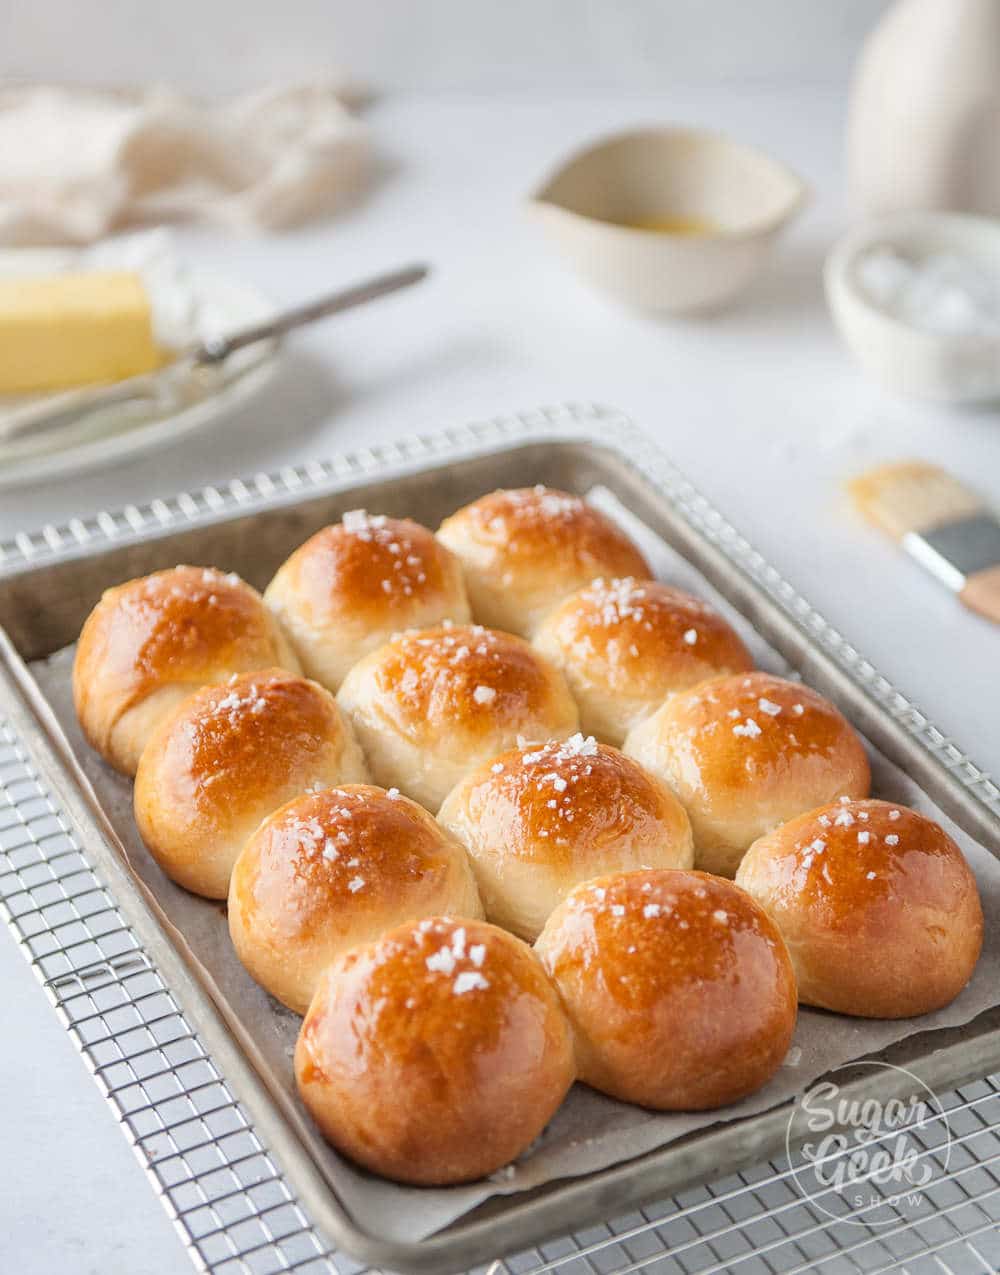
(924, 116)
(677, 220)
(78, 163)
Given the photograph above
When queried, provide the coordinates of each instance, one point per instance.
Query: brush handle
(982, 593)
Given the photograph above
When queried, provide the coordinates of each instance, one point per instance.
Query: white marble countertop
(761, 407)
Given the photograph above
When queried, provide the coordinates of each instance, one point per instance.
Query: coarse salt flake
(468, 981)
(769, 707)
(691, 637)
(484, 694)
(892, 839)
(477, 954)
(749, 728)
(651, 910)
(442, 961)
(355, 884)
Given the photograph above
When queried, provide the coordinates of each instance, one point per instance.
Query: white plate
(233, 305)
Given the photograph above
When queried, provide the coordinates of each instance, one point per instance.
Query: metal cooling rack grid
(220, 1185)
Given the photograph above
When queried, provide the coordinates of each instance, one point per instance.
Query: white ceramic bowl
(743, 195)
(952, 368)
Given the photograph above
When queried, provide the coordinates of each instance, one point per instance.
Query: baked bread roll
(678, 986)
(228, 756)
(746, 753)
(151, 642)
(523, 550)
(432, 704)
(436, 1054)
(350, 587)
(538, 821)
(335, 869)
(625, 645)
(876, 903)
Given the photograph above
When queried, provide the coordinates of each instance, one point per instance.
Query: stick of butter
(74, 329)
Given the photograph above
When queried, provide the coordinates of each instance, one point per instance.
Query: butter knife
(164, 390)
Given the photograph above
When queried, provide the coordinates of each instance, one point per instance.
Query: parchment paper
(590, 1131)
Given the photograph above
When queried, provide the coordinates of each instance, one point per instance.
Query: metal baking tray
(49, 582)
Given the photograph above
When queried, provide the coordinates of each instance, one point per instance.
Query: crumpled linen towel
(76, 163)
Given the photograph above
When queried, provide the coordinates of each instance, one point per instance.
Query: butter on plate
(74, 329)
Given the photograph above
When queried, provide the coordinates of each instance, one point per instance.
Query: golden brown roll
(678, 986)
(523, 550)
(333, 870)
(350, 587)
(876, 903)
(432, 704)
(151, 642)
(537, 822)
(435, 1055)
(625, 645)
(228, 756)
(746, 753)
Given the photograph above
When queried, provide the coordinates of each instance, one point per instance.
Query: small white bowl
(588, 208)
(941, 367)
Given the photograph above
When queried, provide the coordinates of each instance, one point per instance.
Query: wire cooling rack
(224, 1190)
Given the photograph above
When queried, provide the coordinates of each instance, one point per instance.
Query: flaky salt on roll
(678, 986)
(431, 705)
(435, 1055)
(228, 756)
(151, 642)
(351, 586)
(877, 905)
(625, 645)
(333, 870)
(538, 821)
(746, 753)
(525, 549)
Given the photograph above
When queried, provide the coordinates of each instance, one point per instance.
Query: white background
(760, 406)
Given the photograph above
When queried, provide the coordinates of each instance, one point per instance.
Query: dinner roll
(151, 642)
(350, 587)
(335, 869)
(524, 550)
(876, 903)
(746, 753)
(625, 645)
(537, 821)
(227, 756)
(432, 704)
(678, 986)
(436, 1054)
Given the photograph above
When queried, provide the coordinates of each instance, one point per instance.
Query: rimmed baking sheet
(590, 1131)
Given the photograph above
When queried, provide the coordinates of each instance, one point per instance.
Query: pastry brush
(941, 523)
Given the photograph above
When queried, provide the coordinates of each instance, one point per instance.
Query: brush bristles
(912, 496)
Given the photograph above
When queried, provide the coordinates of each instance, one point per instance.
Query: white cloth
(76, 163)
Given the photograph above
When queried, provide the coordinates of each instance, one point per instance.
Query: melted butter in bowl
(674, 224)
(668, 219)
